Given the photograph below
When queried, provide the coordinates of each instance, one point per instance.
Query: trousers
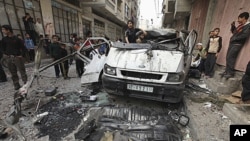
(232, 54)
(16, 64)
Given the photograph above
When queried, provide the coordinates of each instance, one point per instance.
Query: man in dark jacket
(13, 50)
(245, 95)
(130, 33)
(29, 27)
(2, 73)
(55, 52)
(237, 41)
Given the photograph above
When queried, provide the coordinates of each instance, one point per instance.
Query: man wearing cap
(13, 49)
(201, 54)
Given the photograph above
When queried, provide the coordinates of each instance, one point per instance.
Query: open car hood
(160, 60)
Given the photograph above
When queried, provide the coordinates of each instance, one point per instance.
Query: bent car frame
(156, 70)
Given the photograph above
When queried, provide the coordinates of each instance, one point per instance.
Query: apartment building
(109, 17)
(176, 13)
(63, 17)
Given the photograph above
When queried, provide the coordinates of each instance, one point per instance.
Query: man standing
(13, 49)
(245, 95)
(39, 27)
(130, 33)
(237, 41)
(55, 52)
(29, 26)
(30, 47)
(213, 48)
(47, 43)
(3, 77)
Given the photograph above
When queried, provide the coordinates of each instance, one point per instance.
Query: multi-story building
(109, 17)
(63, 17)
(176, 13)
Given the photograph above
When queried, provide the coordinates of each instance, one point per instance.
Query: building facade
(63, 17)
(12, 12)
(109, 17)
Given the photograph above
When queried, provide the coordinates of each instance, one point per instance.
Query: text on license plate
(140, 88)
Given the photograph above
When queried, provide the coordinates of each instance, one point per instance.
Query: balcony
(168, 11)
(182, 9)
(108, 4)
(175, 10)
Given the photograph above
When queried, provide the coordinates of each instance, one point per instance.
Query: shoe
(66, 78)
(17, 86)
(57, 76)
(3, 80)
(227, 76)
(223, 73)
(243, 102)
(246, 102)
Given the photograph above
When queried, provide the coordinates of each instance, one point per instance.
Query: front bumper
(161, 92)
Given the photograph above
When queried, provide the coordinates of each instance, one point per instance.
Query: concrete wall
(111, 29)
(198, 17)
(47, 17)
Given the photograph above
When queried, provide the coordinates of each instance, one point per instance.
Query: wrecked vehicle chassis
(156, 70)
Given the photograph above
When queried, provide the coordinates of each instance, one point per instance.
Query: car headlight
(109, 70)
(175, 77)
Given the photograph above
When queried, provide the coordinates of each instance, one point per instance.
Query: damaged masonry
(73, 112)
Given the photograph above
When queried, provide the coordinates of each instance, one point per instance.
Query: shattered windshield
(162, 39)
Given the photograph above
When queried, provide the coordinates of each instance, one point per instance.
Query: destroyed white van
(156, 70)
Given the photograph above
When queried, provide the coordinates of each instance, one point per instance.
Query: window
(66, 21)
(126, 10)
(14, 10)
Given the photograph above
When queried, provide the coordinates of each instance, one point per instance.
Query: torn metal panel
(161, 61)
(135, 124)
(94, 69)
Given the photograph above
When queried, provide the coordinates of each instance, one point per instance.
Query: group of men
(15, 50)
(208, 55)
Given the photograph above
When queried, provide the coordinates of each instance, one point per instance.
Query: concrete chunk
(50, 91)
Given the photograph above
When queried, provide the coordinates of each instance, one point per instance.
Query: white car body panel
(93, 69)
(161, 60)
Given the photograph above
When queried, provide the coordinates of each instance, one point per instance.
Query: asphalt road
(71, 116)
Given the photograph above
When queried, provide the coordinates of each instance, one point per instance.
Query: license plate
(140, 88)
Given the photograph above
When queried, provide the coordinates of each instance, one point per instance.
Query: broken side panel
(94, 69)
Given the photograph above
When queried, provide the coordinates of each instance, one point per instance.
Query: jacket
(55, 50)
(214, 44)
(13, 46)
(241, 36)
(29, 44)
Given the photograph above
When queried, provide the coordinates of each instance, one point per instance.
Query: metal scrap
(195, 87)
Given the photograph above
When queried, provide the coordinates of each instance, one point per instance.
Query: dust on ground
(207, 121)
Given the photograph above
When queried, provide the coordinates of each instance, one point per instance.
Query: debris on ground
(199, 88)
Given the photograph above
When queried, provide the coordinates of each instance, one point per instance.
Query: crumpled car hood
(161, 60)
